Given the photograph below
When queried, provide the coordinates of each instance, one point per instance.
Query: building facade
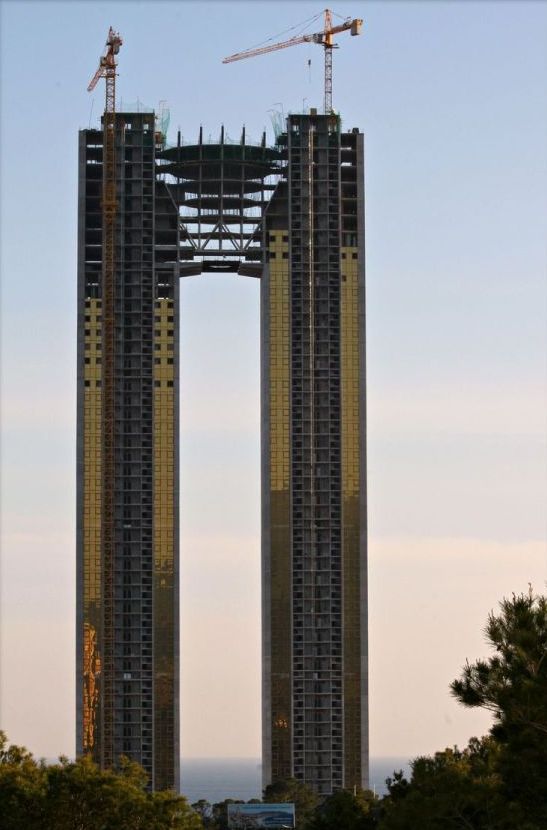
(315, 713)
(127, 608)
(293, 216)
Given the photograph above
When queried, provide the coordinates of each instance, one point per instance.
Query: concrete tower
(315, 719)
(127, 610)
(293, 216)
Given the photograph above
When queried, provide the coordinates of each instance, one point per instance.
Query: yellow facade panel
(163, 507)
(350, 357)
(279, 391)
(92, 495)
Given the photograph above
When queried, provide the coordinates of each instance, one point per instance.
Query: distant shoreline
(215, 779)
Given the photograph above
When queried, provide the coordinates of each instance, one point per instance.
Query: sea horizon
(215, 779)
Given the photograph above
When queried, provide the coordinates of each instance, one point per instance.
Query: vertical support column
(92, 488)
(133, 671)
(166, 750)
(317, 596)
(164, 544)
(89, 449)
(363, 492)
(350, 510)
(108, 416)
(127, 606)
(354, 492)
(280, 615)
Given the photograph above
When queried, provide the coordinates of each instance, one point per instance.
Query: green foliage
(346, 810)
(22, 788)
(495, 783)
(453, 789)
(303, 797)
(205, 811)
(512, 683)
(78, 796)
(499, 782)
(220, 813)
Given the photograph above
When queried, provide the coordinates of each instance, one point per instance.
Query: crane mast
(107, 70)
(324, 38)
(328, 44)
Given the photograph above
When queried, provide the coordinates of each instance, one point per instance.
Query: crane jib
(323, 38)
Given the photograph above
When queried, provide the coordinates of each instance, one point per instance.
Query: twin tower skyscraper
(291, 215)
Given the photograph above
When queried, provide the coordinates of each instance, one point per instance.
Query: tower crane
(324, 38)
(107, 70)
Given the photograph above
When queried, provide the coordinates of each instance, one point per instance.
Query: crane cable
(300, 26)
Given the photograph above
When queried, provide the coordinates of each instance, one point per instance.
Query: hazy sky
(452, 98)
